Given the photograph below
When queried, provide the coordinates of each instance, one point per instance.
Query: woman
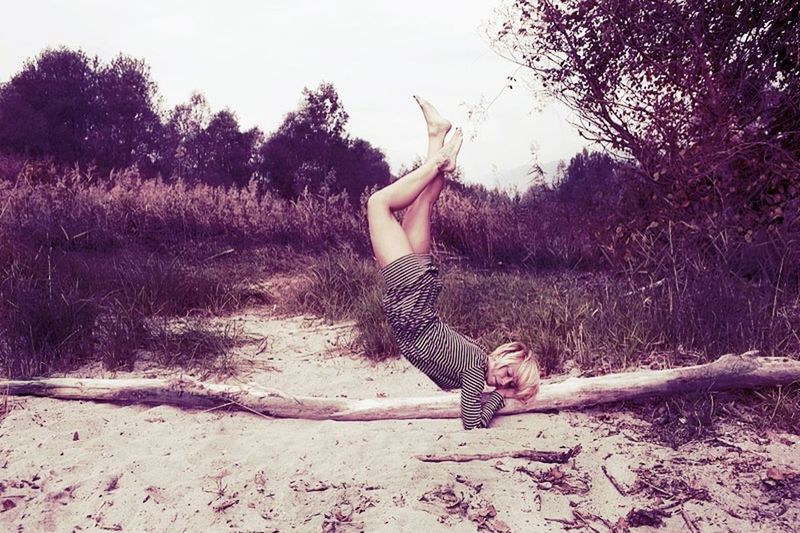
(450, 359)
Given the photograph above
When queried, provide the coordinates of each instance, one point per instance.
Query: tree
(185, 123)
(359, 165)
(312, 149)
(74, 109)
(124, 124)
(588, 181)
(211, 148)
(224, 154)
(702, 94)
(45, 108)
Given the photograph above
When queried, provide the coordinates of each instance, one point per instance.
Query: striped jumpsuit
(450, 359)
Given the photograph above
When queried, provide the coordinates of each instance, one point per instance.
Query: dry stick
(331, 327)
(561, 521)
(97, 512)
(605, 521)
(662, 491)
(580, 517)
(262, 415)
(614, 482)
(221, 507)
(689, 522)
(216, 407)
(672, 505)
(532, 455)
(220, 254)
(642, 289)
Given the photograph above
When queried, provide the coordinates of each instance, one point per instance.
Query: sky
(255, 58)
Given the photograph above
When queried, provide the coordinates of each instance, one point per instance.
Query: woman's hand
(507, 392)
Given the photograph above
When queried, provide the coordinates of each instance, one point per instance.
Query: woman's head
(514, 366)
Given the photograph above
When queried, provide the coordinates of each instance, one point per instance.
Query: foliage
(701, 94)
(72, 108)
(124, 123)
(589, 182)
(311, 150)
(210, 148)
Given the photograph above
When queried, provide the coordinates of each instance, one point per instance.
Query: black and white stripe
(449, 358)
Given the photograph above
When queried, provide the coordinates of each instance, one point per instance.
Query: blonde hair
(527, 379)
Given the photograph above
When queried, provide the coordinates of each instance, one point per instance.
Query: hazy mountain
(520, 177)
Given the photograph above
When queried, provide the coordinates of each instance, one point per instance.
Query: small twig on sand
(614, 482)
(732, 513)
(672, 505)
(561, 521)
(532, 455)
(580, 517)
(238, 405)
(97, 512)
(689, 522)
(216, 407)
(578, 521)
(224, 505)
(723, 442)
(662, 491)
(605, 522)
(262, 415)
(330, 327)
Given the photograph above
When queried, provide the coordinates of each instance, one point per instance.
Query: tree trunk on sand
(728, 372)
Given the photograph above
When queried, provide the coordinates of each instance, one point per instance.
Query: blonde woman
(450, 359)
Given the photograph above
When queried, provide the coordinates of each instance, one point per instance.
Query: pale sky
(255, 57)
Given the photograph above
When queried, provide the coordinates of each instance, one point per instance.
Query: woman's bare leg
(417, 219)
(389, 241)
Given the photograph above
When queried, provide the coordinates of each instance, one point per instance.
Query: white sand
(177, 470)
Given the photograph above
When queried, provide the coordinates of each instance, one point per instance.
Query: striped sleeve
(473, 414)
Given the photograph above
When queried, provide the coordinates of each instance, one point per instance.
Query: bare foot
(437, 124)
(446, 158)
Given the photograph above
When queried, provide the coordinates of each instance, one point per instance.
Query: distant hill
(520, 177)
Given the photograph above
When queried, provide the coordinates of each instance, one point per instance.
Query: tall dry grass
(89, 268)
(596, 320)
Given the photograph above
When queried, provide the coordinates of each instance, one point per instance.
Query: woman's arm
(473, 414)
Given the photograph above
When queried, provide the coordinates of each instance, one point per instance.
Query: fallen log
(730, 371)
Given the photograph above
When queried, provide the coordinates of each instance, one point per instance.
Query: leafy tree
(223, 154)
(74, 109)
(187, 120)
(702, 94)
(184, 124)
(45, 109)
(210, 147)
(588, 180)
(359, 165)
(312, 149)
(124, 124)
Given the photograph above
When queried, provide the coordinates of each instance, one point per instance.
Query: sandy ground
(86, 466)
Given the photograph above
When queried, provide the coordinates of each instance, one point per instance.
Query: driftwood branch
(532, 455)
(728, 372)
(613, 480)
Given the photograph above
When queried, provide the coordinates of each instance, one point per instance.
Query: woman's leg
(417, 219)
(389, 241)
